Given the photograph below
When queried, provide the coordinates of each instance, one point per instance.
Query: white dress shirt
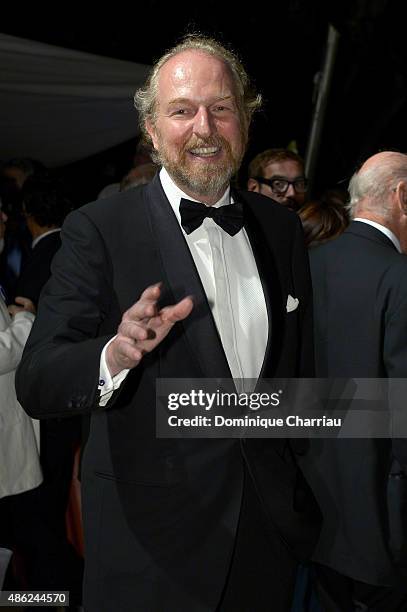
(229, 275)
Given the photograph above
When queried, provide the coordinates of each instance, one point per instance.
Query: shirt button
(101, 382)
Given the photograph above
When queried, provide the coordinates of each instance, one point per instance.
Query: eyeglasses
(280, 185)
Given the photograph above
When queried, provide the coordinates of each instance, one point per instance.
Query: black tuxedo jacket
(161, 515)
(36, 269)
(360, 312)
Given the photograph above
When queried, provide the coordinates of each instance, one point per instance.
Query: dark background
(282, 44)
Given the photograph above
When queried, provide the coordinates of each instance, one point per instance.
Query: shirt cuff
(24, 314)
(108, 384)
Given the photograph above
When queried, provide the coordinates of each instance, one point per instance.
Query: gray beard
(210, 180)
(212, 185)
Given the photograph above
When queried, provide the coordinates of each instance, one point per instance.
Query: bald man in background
(360, 300)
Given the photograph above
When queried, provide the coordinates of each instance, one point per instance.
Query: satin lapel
(268, 271)
(182, 279)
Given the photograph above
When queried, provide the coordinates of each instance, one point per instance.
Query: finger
(22, 300)
(152, 293)
(140, 311)
(129, 352)
(122, 354)
(146, 306)
(133, 330)
(177, 312)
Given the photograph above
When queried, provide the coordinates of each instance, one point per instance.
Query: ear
(401, 191)
(152, 132)
(253, 185)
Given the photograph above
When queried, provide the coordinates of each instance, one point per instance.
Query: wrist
(112, 365)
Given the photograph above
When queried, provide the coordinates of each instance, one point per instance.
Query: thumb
(177, 312)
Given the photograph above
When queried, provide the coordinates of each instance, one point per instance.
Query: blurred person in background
(324, 219)
(45, 204)
(360, 329)
(279, 174)
(141, 165)
(20, 468)
(141, 175)
(13, 174)
(52, 560)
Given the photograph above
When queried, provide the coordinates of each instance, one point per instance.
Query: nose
(203, 123)
(290, 193)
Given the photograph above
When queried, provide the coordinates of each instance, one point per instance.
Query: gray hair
(370, 188)
(145, 98)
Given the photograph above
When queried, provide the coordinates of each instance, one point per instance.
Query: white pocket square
(292, 303)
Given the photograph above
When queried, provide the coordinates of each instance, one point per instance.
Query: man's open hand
(142, 328)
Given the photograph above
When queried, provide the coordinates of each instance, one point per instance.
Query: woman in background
(324, 219)
(20, 469)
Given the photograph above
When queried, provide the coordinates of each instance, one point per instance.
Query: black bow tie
(229, 218)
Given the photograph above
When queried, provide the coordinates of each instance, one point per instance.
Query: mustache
(212, 141)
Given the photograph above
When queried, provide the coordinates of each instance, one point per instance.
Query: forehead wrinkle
(183, 99)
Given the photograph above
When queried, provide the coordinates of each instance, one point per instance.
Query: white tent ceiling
(58, 105)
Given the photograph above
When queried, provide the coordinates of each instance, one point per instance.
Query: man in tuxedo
(360, 305)
(192, 525)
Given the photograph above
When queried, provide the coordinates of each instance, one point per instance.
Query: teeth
(203, 151)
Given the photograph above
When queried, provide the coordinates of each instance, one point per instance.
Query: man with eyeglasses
(279, 174)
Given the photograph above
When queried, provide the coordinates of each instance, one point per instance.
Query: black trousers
(339, 593)
(262, 573)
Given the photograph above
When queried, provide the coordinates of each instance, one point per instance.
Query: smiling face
(198, 131)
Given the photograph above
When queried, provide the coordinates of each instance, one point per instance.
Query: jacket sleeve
(59, 371)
